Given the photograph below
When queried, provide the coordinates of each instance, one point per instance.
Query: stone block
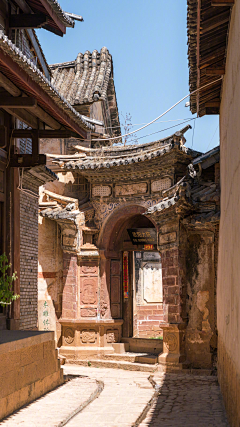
(120, 347)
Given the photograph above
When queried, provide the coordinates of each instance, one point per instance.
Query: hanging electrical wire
(161, 115)
(212, 137)
(193, 130)
(160, 121)
(149, 134)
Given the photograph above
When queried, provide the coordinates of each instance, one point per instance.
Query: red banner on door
(125, 274)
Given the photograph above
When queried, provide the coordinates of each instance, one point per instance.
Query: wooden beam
(46, 118)
(198, 51)
(34, 88)
(9, 86)
(38, 111)
(26, 160)
(222, 2)
(17, 102)
(23, 6)
(27, 20)
(27, 133)
(214, 71)
(53, 15)
(24, 116)
(212, 104)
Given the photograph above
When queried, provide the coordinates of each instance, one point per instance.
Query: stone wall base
(29, 368)
(229, 380)
(22, 397)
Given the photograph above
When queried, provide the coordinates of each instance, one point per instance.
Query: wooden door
(115, 289)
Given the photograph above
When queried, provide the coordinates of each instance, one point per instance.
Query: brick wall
(171, 293)
(28, 259)
(147, 319)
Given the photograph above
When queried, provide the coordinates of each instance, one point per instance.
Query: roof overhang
(31, 82)
(57, 19)
(208, 23)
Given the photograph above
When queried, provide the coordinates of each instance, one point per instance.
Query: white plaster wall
(228, 284)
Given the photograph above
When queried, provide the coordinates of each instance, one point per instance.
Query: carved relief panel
(112, 335)
(68, 336)
(89, 269)
(161, 184)
(88, 290)
(88, 336)
(101, 191)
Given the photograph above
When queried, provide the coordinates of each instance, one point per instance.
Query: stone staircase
(132, 355)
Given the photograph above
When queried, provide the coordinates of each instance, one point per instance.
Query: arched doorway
(133, 272)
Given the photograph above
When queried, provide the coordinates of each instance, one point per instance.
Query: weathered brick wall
(147, 319)
(28, 259)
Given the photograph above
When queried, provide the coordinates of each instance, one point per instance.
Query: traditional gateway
(128, 247)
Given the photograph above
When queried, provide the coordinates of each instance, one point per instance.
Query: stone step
(116, 364)
(150, 359)
(147, 358)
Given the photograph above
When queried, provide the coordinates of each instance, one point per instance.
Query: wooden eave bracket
(214, 71)
(27, 20)
(17, 102)
(26, 160)
(222, 2)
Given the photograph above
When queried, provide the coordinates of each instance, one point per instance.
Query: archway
(132, 272)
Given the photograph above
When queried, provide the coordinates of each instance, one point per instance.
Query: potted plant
(7, 295)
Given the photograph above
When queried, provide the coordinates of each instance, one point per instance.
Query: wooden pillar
(13, 241)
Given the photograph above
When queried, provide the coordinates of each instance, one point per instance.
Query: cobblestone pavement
(186, 400)
(177, 400)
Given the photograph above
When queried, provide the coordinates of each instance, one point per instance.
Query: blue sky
(148, 43)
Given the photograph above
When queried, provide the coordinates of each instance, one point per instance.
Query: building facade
(30, 109)
(126, 260)
(214, 55)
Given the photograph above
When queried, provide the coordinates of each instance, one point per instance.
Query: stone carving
(128, 189)
(112, 335)
(88, 312)
(69, 336)
(167, 238)
(103, 309)
(101, 191)
(89, 269)
(89, 291)
(161, 184)
(103, 210)
(88, 336)
(170, 342)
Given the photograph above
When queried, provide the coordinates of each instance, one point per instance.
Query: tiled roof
(35, 74)
(59, 207)
(120, 155)
(88, 79)
(63, 17)
(201, 195)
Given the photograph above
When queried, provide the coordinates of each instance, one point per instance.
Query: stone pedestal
(82, 339)
(173, 356)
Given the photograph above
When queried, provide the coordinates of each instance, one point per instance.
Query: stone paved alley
(120, 398)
